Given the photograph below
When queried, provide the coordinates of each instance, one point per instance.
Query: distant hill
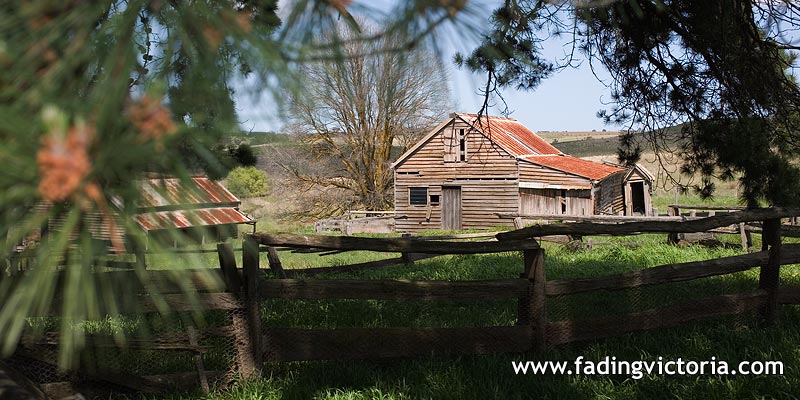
(258, 138)
(589, 147)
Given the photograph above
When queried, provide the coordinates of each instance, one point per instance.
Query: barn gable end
(466, 174)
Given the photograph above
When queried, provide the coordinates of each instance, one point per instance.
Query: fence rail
(243, 290)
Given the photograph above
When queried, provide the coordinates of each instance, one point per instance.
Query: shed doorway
(637, 198)
(451, 207)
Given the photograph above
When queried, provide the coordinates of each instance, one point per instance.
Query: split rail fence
(241, 292)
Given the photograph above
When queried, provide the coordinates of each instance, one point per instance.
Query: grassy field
(491, 376)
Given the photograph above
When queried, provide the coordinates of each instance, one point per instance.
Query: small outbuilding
(200, 208)
(467, 170)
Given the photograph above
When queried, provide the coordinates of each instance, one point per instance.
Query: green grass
(491, 376)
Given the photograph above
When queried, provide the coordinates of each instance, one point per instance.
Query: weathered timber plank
(252, 277)
(144, 282)
(456, 236)
(663, 317)
(532, 310)
(591, 218)
(370, 343)
(399, 245)
(770, 274)
(670, 273)
(227, 265)
(392, 289)
(275, 262)
(706, 208)
(198, 360)
(698, 225)
(187, 302)
(173, 341)
(358, 267)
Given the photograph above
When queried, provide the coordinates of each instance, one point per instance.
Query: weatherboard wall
(487, 178)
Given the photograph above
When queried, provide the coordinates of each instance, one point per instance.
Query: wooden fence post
(233, 284)
(673, 211)
(252, 274)
(406, 257)
(139, 251)
(532, 308)
(275, 262)
(770, 275)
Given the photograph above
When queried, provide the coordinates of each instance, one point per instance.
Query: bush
(244, 155)
(247, 182)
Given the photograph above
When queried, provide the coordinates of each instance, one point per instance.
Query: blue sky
(567, 101)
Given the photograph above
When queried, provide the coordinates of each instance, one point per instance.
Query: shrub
(244, 155)
(247, 182)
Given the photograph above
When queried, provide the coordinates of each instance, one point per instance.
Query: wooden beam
(288, 344)
(706, 208)
(227, 264)
(532, 311)
(357, 267)
(698, 225)
(173, 341)
(670, 273)
(591, 218)
(770, 274)
(275, 262)
(252, 298)
(476, 235)
(198, 360)
(298, 289)
(185, 302)
(397, 245)
(659, 318)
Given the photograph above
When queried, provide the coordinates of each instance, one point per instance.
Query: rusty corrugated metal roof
(574, 165)
(511, 135)
(157, 220)
(170, 192)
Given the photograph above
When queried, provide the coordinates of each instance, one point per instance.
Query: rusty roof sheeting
(511, 135)
(161, 192)
(574, 165)
(190, 218)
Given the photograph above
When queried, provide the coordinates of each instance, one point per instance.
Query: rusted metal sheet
(169, 192)
(190, 218)
(511, 135)
(574, 165)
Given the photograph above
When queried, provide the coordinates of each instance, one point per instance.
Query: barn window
(434, 199)
(462, 145)
(418, 196)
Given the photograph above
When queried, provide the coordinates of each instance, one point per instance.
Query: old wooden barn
(466, 171)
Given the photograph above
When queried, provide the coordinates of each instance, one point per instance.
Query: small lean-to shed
(466, 171)
(200, 208)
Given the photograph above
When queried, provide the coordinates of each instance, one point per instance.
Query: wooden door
(451, 207)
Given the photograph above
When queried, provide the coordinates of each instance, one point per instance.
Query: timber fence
(238, 342)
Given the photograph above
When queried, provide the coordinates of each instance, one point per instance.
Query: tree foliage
(93, 95)
(247, 182)
(358, 105)
(716, 69)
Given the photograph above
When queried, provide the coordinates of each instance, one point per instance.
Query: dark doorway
(637, 198)
(451, 207)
